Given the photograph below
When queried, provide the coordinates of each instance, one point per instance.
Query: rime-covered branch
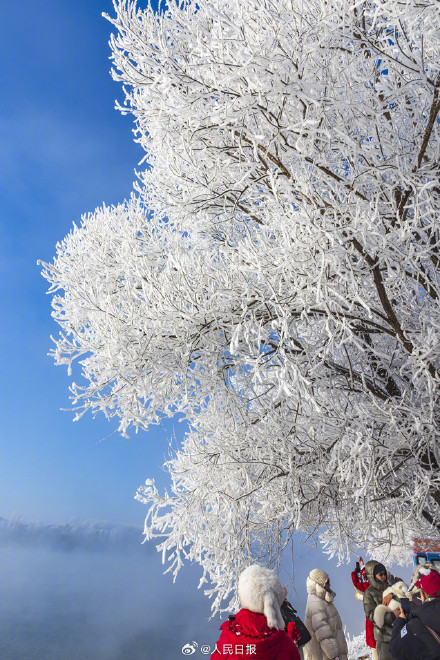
(275, 276)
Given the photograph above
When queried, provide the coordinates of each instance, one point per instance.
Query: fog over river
(92, 591)
(87, 592)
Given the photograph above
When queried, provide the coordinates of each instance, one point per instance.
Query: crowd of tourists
(402, 622)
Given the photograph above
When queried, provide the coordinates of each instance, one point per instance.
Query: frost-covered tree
(274, 278)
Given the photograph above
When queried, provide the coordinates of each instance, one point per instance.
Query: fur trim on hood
(315, 588)
(260, 591)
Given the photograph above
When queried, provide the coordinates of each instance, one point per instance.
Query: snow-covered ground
(357, 648)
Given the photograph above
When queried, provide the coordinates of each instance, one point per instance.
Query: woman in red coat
(359, 578)
(257, 630)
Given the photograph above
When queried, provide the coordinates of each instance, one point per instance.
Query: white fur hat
(260, 591)
(399, 589)
(379, 614)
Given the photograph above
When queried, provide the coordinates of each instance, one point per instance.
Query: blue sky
(65, 150)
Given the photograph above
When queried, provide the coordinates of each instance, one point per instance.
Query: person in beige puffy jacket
(323, 621)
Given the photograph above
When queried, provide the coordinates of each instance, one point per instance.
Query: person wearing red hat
(419, 637)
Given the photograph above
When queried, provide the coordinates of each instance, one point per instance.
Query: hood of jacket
(369, 570)
(316, 589)
(251, 628)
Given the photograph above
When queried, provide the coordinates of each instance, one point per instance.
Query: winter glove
(293, 632)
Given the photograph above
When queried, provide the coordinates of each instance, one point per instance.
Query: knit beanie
(320, 577)
(378, 569)
(429, 582)
(260, 591)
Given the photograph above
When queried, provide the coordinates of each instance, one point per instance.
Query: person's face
(382, 576)
(327, 585)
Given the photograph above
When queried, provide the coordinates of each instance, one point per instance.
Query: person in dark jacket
(378, 577)
(419, 637)
(361, 584)
(257, 630)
